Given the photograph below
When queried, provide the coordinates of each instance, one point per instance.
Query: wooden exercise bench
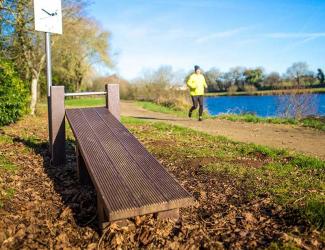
(128, 180)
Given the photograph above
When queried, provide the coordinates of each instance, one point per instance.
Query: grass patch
(85, 102)
(5, 164)
(5, 195)
(294, 181)
(256, 119)
(303, 161)
(9, 193)
(4, 139)
(161, 109)
(180, 112)
(260, 150)
(317, 123)
(314, 122)
(132, 120)
(315, 212)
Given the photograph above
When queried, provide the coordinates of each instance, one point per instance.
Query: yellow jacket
(196, 84)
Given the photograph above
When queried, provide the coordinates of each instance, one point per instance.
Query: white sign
(48, 16)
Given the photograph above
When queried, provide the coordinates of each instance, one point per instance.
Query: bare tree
(236, 75)
(297, 71)
(82, 46)
(212, 75)
(296, 105)
(272, 80)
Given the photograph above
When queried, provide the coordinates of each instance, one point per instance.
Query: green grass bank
(294, 181)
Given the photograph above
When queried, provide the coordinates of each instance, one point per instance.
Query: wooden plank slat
(147, 163)
(104, 175)
(143, 190)
(128, 178)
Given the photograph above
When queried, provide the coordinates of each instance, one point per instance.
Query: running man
(196, 84)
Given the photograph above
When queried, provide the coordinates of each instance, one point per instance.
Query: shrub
(13, 94)
(250, 88)
(232, 89)
(162, 94)
(126, 89)
(296, 105)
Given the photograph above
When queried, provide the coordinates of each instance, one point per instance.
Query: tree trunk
(34, 95)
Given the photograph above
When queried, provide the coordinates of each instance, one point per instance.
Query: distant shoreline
(269, 92)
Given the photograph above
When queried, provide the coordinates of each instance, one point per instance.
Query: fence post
(57, 119)
(113, 99)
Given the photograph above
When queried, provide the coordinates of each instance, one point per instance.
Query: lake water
(264, 106)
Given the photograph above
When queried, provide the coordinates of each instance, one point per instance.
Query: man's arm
(191, 83)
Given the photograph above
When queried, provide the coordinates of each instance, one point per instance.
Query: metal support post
(49, 84)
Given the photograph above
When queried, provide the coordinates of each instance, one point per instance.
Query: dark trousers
(197, 100)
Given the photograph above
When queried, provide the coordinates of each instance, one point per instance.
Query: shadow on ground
(81, 199)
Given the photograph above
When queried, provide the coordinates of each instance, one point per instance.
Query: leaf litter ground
(45, 207)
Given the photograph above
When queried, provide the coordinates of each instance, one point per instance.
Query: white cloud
(300, 38)
(288, 35)
(223, 34)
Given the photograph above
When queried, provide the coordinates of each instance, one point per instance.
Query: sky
(273, 34)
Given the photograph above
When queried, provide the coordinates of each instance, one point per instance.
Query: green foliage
(253, 76)
(13, 94)
(320, 76)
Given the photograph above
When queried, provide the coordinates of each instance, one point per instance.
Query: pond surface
(264, 106)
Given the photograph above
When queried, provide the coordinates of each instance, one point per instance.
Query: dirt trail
(305, 140)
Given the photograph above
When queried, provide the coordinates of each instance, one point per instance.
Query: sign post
(49, 84)
(48, 19)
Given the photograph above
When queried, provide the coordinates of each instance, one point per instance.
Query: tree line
(297, 75)
(83, 43)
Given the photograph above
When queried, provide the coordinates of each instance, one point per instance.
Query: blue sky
(213, 33)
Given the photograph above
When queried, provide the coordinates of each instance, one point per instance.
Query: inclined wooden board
(128, 178)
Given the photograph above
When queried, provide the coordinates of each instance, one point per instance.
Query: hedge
(13, 94)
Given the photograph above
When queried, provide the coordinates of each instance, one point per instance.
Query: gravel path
(305, 140)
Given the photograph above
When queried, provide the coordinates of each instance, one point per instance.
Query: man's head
(197, 69)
